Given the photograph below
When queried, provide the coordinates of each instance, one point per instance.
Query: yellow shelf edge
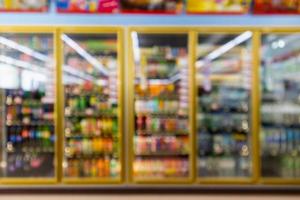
(31, 181)
(92, 180)
(188, 180)
(280, 181)
(214, 180)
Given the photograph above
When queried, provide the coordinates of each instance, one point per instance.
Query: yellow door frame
(131, 77)
(118, 31)
(254, 136)
(36, 180)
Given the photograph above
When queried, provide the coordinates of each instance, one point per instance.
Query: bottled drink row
(280, 151)
(280, 141)
(91, 127)
(30, 139)
(287, 166)
(95, 168)
(224, 122)
(159, 168)
(25, 107)
(156, 106)
(87, 101)
(223, 144)
(160, 69)
(85, 147)
(230, 106)
(161, 145)
(30, 165)
(227, 166)
(225, 99)
(160, 124)
(283, 119)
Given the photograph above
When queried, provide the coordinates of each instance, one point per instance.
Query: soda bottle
(100, 165)
(113, 168)
(93, 168)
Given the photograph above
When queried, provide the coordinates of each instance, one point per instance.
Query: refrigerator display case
(28, 100)
(224, 107)
(92, 105)
(161, 136)
(280, 107)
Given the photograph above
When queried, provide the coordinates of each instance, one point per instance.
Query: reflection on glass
(161, 139)
(223, 116)
(90, 76)
(27, 96)
(280, 106)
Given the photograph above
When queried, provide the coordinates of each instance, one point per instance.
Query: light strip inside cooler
(14, 45)
(84, 54)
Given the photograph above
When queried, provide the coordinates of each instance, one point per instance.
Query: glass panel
(280, 105)
(224, 99)
(91, 80)
(27, 97)
(161, 138)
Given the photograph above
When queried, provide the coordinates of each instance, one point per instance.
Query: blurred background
(87, 101)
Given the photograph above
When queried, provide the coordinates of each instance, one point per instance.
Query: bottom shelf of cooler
(280, 181)
(29, 180)
(224, 167)
(159, 169)
(162, 180)
(282, 166)
(99, 169)
(92, 180)
(225, 180)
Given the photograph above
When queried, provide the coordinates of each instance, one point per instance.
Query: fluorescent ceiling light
(136, 49)
(175, 78)
(24, 49)
(93, 61)
(228, 46)
(156, 81)
(71, 74)
(22, 64)
(77, 73)
(137, 57)
(71, 79)
(199, 63)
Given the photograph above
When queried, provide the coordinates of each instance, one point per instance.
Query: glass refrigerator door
(162, 146)
(224, 106)
(92, 107)
(27, 97)
(280, 106)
